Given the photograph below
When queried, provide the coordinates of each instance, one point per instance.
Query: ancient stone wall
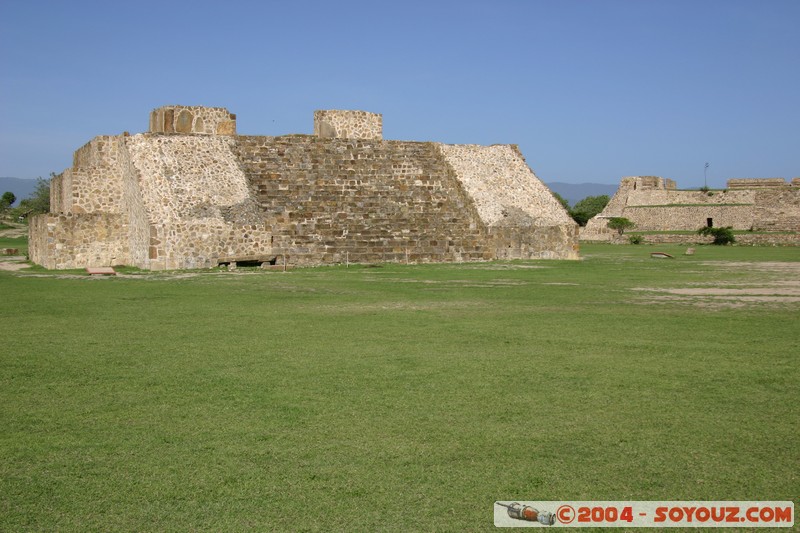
(96, 177)
(368, 200)
(203, 242)
(66, 240)
(94, 183)
(183, 176)
(755, 183)
(183, 202)
(61, 192)
(135, 210)
(192, 119)
(343, 124)
(197, 200)
(749, 239)
(648, 183)
(535, 242)
(637, 198)
(677, 217)
(88, 225)
(777, 209)
(500, 182)
(523, 217)
(182, 196)
(752, 204)
(337, 200)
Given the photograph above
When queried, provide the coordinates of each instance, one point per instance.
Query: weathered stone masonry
(191, 193)
(655, 204)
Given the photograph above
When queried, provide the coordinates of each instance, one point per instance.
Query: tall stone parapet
(756, 183)
(644, 183)
(339, 124)
(192, 119)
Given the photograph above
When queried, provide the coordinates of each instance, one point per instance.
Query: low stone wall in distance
(750, 239)
(754, 239)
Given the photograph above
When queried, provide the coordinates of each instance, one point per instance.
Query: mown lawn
(397, 397)
(20, 243)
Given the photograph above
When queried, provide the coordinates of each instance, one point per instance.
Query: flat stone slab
(101, 271)
(660, 255)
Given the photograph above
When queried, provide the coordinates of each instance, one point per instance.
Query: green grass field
(21, 243)
(404, 398)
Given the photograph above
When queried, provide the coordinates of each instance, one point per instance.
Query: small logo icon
(565, 514)
(530, 514)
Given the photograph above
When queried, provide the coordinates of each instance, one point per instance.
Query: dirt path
(16, 230)
(10, 263)
(772, 283)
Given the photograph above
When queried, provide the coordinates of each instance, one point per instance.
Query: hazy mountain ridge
(22, 188)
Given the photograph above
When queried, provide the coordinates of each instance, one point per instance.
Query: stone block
(184, 122)
(169, 121)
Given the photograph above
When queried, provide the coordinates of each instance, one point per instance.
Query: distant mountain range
(21, 188)
(574, 192)
(571, 192)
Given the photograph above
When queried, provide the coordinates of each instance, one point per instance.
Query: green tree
(7, 199)
(721, 236)
(561, 200)
(38, 202)
(620, 224)
(590, 206)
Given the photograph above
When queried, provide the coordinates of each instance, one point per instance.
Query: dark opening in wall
(710, 222)
(249, 263)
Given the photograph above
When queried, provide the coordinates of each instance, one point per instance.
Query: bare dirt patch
(727, 297)
(767, 283)
(766, 266)
(452, 283)
(496, 266)
(14, 263)
(755, 291)
(16, 230)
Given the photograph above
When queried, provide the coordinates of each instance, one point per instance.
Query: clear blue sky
(590, 90)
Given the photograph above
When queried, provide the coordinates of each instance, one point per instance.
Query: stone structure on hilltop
(191, 193)
(767, 207)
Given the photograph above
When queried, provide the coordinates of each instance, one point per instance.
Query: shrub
(636, 239)
(587, 208)
(37, 202)
(7, 199)
(620, 224)
(564, 203)
(721, 236)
